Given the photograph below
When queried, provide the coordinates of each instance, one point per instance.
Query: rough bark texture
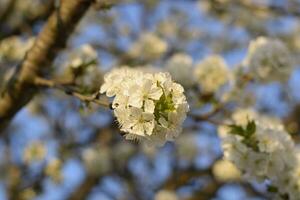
(20, 90)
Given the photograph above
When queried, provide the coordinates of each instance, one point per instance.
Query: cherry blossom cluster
(212, 73)
(180, 67)
(149, 46)
(268, 60)
(261, 149)
(149, 107)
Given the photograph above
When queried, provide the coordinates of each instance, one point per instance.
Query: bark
(53, 37)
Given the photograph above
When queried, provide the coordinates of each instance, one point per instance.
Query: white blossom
(268, 60)
(82, 55)
(180, 66)
(225, 170)
(268, 154)
(149, 46)
(97, 160)
(81, 66)
(289, 182)
(212, 73)
(14, 48)
(36, 151)
(28, 194)
(166, 195)
(147, 106)
(53, 170)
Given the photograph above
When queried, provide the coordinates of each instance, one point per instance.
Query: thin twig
(41, 82)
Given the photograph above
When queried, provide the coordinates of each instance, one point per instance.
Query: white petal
(155, 93)
(149, 126)
(149, 106)
(138, 129)
(136, 100)
(163, 122)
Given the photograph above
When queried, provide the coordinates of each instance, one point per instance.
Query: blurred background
(61, 148)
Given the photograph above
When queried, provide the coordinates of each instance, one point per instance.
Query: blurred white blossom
(225, 170)
(289, 182)
(149, 46)
(212, 73)
(81, 65)
(53, 170)
(28, 194)
(268, 60)
(14, 48)
(166, 195)
(97, 160)
(180, 66)
(148, 106)
(167, 28)
(35, 151)
(262, 152)
(82, 55)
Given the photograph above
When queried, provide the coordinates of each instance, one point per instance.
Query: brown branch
(64, 86)
(181, 178)
(7, 11)
(20, 90)
(85, 188)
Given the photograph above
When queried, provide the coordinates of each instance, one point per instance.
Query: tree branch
(7, 11)
(20, 90)
(64, 86)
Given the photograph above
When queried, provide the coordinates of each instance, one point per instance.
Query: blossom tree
(163, 100)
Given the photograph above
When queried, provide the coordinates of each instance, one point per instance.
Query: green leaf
(237, 130)
(250, 128)
(272, 189)
(251, 143)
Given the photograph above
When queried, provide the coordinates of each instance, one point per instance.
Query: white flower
(119, 80)
(289, 182)
(81, 65)
(36, 151)
(212, 73)
(267, 154)
(14, 48)
(242, 115)
(166, 195)
(97, 160)
(180, 66)
(139, 122)
(148, 46)
(145, 94)
(53, 170)
(147, 106)
(225, 170)
(268, 60)
(82, 55)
